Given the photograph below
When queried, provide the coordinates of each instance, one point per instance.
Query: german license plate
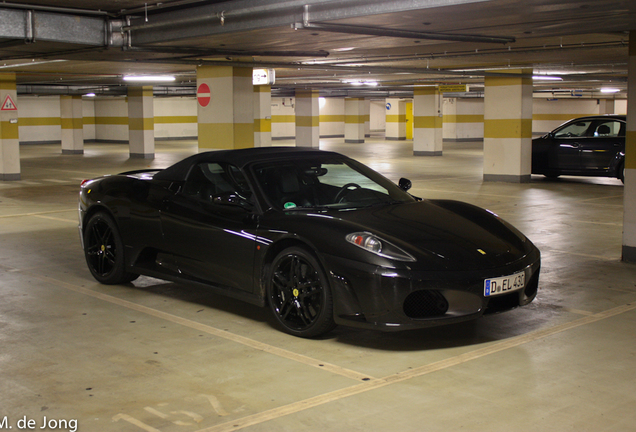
(504, 284)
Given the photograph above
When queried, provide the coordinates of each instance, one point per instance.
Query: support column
(307, 119)
(427, 122)
(141, 122)
(629, 193)
(262, 116)
(225, 96)
(508, 128)
(9, 139)
(395, 119)
(72, 120)
(355, 117)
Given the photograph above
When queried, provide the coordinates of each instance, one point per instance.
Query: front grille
(425, 304)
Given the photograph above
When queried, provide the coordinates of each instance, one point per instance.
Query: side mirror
(405, 184)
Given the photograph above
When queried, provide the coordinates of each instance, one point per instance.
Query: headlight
(376, 245)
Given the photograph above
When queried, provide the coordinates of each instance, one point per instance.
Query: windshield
(335, 183)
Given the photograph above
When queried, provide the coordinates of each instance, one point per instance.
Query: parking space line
(38, 213)
(494, 348)
(368, 383)
(280, 352)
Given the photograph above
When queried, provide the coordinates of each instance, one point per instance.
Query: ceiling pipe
(385, 32)
(55, 9)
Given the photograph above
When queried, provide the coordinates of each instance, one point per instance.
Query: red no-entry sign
(203, 95)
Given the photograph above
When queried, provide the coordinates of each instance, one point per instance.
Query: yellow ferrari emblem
(296, 292)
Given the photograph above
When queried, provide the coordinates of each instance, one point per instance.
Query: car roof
(600, 117)
(241, 158)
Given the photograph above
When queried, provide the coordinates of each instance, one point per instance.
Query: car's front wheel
(299, 294)
(104, 251)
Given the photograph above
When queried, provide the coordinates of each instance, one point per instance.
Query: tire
(104, 251)
(299, 294)
(621, 172)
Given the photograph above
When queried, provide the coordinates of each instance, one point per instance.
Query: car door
(565, 154)
(210, 227)
(599, 149)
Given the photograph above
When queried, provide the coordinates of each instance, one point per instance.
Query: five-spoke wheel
(299, 295)
(104, 251)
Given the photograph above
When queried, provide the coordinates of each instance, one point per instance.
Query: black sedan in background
(318, 237)
(585, 146)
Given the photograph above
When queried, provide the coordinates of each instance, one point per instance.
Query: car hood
(451, 235)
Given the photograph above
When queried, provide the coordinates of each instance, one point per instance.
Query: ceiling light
(610, 90)
(149, 78)
(546, 78)
(90, 95)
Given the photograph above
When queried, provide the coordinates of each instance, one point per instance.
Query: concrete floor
(156, 356)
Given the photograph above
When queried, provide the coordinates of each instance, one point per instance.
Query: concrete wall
(283, 118)
(111, 119)
(377, 116)
(39, 120)
(88, 111)
(463, 119)
(548, 114)
(175, 117)
(332, 117)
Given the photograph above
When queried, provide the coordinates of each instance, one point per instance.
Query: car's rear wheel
(104, 251)
(299, 294)
(621, 172)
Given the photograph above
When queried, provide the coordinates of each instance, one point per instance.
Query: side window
(608, 128)
(574, 130)
(210, 179)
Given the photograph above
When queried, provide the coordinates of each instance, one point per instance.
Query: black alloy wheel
(299, 294)
(104, 251)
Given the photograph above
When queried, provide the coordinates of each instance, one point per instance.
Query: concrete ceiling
(88, 45)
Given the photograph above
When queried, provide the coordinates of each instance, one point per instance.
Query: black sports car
(585, 146)
(320, 238)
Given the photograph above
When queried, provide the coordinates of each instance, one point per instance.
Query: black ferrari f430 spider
(319, 238)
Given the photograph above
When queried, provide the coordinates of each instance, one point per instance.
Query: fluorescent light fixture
(610, 90)
(149, 78)
(90, 95)
(546, 78)
(371, 83)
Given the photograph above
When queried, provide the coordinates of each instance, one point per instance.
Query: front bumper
(388, 299)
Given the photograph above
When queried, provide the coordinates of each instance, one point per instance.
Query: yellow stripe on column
(140, 91)
(8, 130)
(396, 118)
(175, 119)
(426, 122)
(226, 135)
(307, 121)
(508, 128)
(144, 124)
(353, 119)
(72, 123)
(262, 125)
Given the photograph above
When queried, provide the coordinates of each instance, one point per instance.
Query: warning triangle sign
(8, 104)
